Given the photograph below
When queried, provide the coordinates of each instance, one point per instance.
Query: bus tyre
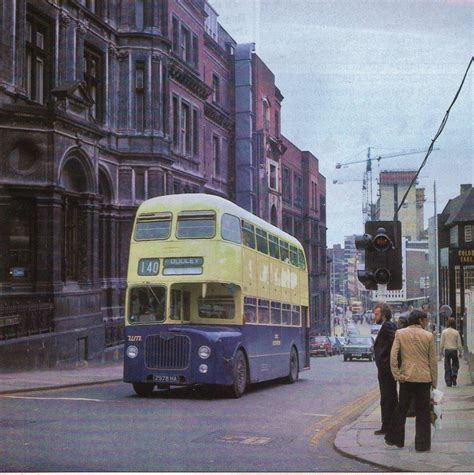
(293, 374)
(143, 389)
(239, 372)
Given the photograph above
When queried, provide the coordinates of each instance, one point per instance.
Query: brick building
(103, 105)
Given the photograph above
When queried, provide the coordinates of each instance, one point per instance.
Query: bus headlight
(132, 351)
(204, 352)
(203, 368)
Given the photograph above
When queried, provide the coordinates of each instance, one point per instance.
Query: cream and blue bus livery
(215, 296)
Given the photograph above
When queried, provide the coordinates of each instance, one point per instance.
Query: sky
(356, 74)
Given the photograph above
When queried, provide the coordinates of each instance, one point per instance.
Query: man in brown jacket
(417, 374)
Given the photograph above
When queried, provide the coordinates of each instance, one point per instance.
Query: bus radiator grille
(167, 351)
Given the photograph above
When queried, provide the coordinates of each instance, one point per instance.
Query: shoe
(454, 379)
(379, 432)
(392, 445)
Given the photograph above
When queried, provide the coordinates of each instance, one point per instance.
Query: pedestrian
(387, 384)
(417, 375)
(450, 345)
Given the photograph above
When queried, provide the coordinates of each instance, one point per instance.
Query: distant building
(392, 187)
(456, 261)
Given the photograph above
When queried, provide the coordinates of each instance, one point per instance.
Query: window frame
(189, 214)
(156, 218)
(263, 303)
(275, 241)
(239, 228)
(94, 81)
(274, 305)
(35, 53)
(261, 235)
(247, 227)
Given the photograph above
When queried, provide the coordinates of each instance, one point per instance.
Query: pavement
(79, 375)
(452, 446)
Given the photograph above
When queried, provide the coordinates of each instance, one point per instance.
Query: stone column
(123, 90)
(155, 182)
(156, 94)
(67, 50)
(49, 242)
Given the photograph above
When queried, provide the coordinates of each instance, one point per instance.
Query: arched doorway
(75, 239)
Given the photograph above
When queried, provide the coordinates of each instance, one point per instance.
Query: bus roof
(202, 201)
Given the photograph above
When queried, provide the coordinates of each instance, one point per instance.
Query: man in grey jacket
(417, 374)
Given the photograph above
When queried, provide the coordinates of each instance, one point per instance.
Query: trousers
(421, 393)
(388, 399)
(451, 366)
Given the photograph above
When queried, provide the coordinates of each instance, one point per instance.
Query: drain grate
(244, 438)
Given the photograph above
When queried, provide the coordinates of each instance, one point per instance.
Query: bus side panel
(268, 349)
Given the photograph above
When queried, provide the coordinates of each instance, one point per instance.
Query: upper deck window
(152, 226)
(262, 241)
(284, 251)
(196, 224)
(294, 255)
(230, 228)
(274, 246)
(302, 261)
(248, 234)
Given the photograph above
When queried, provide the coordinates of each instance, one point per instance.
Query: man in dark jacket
(382, 347)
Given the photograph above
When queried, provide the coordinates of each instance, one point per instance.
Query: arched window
(274, 216)
(266, 114)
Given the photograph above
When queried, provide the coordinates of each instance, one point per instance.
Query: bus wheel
(293, 374)
(143, 389)
(240, 375)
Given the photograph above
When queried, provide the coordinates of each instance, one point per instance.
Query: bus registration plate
(166, 379)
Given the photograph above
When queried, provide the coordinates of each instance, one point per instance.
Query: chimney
(465, 187)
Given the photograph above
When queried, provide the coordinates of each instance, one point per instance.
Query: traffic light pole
(382, 293)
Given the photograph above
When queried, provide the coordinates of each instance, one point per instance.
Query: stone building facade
(103, 105)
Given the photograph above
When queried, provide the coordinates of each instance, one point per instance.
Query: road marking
(246, 440)
(55, 398)
(317, 415)
(322, 427)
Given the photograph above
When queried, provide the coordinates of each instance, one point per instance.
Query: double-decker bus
(215, 296)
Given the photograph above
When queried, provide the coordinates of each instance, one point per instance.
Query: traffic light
(382, 243)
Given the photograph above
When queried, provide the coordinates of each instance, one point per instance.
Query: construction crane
(368, 209)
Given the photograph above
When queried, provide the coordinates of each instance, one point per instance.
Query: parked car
(359, 347)
(320, 345)
(374, 329)
(336, 345)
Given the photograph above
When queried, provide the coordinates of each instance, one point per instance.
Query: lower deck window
(286, 314)
(180, 305)
(250, 310)
(263, 311)
(216, 307)
(147, 304)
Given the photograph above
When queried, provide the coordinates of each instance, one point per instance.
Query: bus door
(304, 313)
